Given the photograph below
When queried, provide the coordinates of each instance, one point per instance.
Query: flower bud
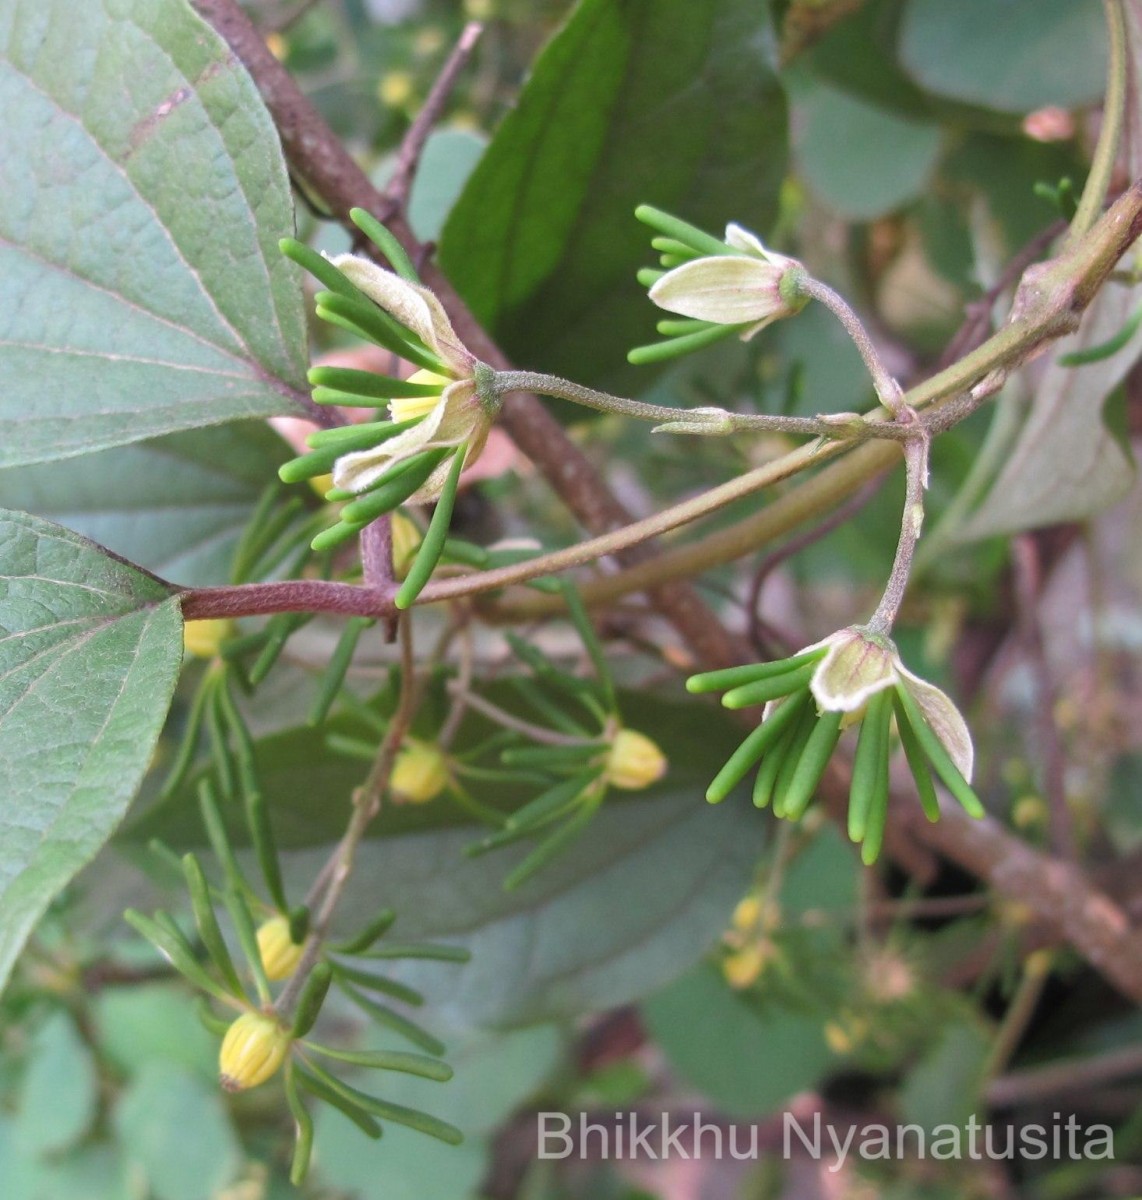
(747, 914)
(634, 762)
(204, 639)
(253, 1049)
(420, 773)
(280, 954)
(752, 287)
(744, 967)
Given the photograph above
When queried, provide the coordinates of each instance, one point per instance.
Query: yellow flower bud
(253, 1049)
(747, 914)
(744, 966)
(279, 952)
(406, 542)
(203, 639)
(634, 762)
(420, 773)
(405, 408)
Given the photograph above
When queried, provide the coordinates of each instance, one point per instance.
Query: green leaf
(747, 1059)
(543, 243)
(59, 1090)
(22, 1174)
(640, 896)
(174, 1130)
(861, 160)
(90, 650)
(1014, 55)
(1066, 464)
(158, 1022)
(144, 195)
(858, 55)
(176, 505)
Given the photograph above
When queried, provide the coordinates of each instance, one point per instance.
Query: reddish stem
(288, 595)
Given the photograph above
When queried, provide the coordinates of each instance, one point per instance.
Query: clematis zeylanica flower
(720, 288)
(852, 677)
(430, 425)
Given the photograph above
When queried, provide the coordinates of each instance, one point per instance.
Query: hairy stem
(702, 421)
(916, 468)
(888, 391)
(288, 595)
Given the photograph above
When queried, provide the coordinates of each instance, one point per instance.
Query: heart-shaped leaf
(90, 650)
(144, 195)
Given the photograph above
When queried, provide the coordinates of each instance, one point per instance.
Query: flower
(280, 954)
(719, 287)
(751, 288)
(858, 664)
(454, 417)
(634, 761)
(853, 676)
(438, 421)
(253, 1049)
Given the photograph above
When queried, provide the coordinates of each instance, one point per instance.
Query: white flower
(859, 663)
(454, 418)
(731, 289)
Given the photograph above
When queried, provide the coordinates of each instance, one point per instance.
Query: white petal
(746, 334)
(725, 289)
(431, 488)
(359, 470)
(944, 719)
(461, 413)
(741, 239)
(434, 484)
(750, 243)
(415, 307)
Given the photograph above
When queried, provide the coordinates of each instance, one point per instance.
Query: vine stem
(412, 146)
(888, 391)
(366, 803)
(546, 737)
(916, 480)
(703, 421)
